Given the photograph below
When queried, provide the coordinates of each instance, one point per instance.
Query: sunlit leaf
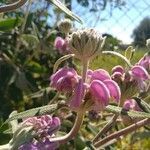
(65, 9)
(9, 23)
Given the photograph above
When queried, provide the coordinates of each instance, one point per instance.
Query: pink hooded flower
(131, 104)
(100, 74)
(139, 72)
(78, 95)
(102, 88)
(145, 62)
(64, 79)
(100, 94)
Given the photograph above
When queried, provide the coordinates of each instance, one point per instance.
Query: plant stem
(124, 131)
(106, 127)
(74, 130)
(85, 65)
(13, 6)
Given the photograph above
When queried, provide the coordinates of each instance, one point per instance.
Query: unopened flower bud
(130, 104)
(65, 26)
(86, 44)
(118, 68)
(64, 79)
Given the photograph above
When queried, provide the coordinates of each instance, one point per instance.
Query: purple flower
(45, 126)
(117, 76)
(131, 104)
(102, 88)
(64, 79)
(100, 94)
(28, 146)
(118, 69)
(139, 72)
(61, 45)
(100, 74)
(78, 95)
(145, 62)
(45, 144)
(114, 89)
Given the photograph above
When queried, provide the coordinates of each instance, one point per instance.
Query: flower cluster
(130, 81)
(45, 127)
(99, 87)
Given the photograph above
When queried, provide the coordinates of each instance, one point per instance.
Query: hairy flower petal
(100, 74)
(63, 72)
(114, 89)
(131, 104)
(139, 72)
(118, 68)
(78, 95)
(100, 92)
(145, 61)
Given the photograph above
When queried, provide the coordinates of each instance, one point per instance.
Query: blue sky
(121, 23)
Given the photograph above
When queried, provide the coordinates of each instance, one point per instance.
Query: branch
(13, 6)
(124, 131)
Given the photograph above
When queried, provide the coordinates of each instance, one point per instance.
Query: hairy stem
(85, 65)
(74, 130)
(13, 6)
(124, 131)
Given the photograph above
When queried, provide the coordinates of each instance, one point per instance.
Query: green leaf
(33, 112)
(131, 113)
(66, 10)
(79, 143)
(35, 67)
(9, 23)
(142, 104)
